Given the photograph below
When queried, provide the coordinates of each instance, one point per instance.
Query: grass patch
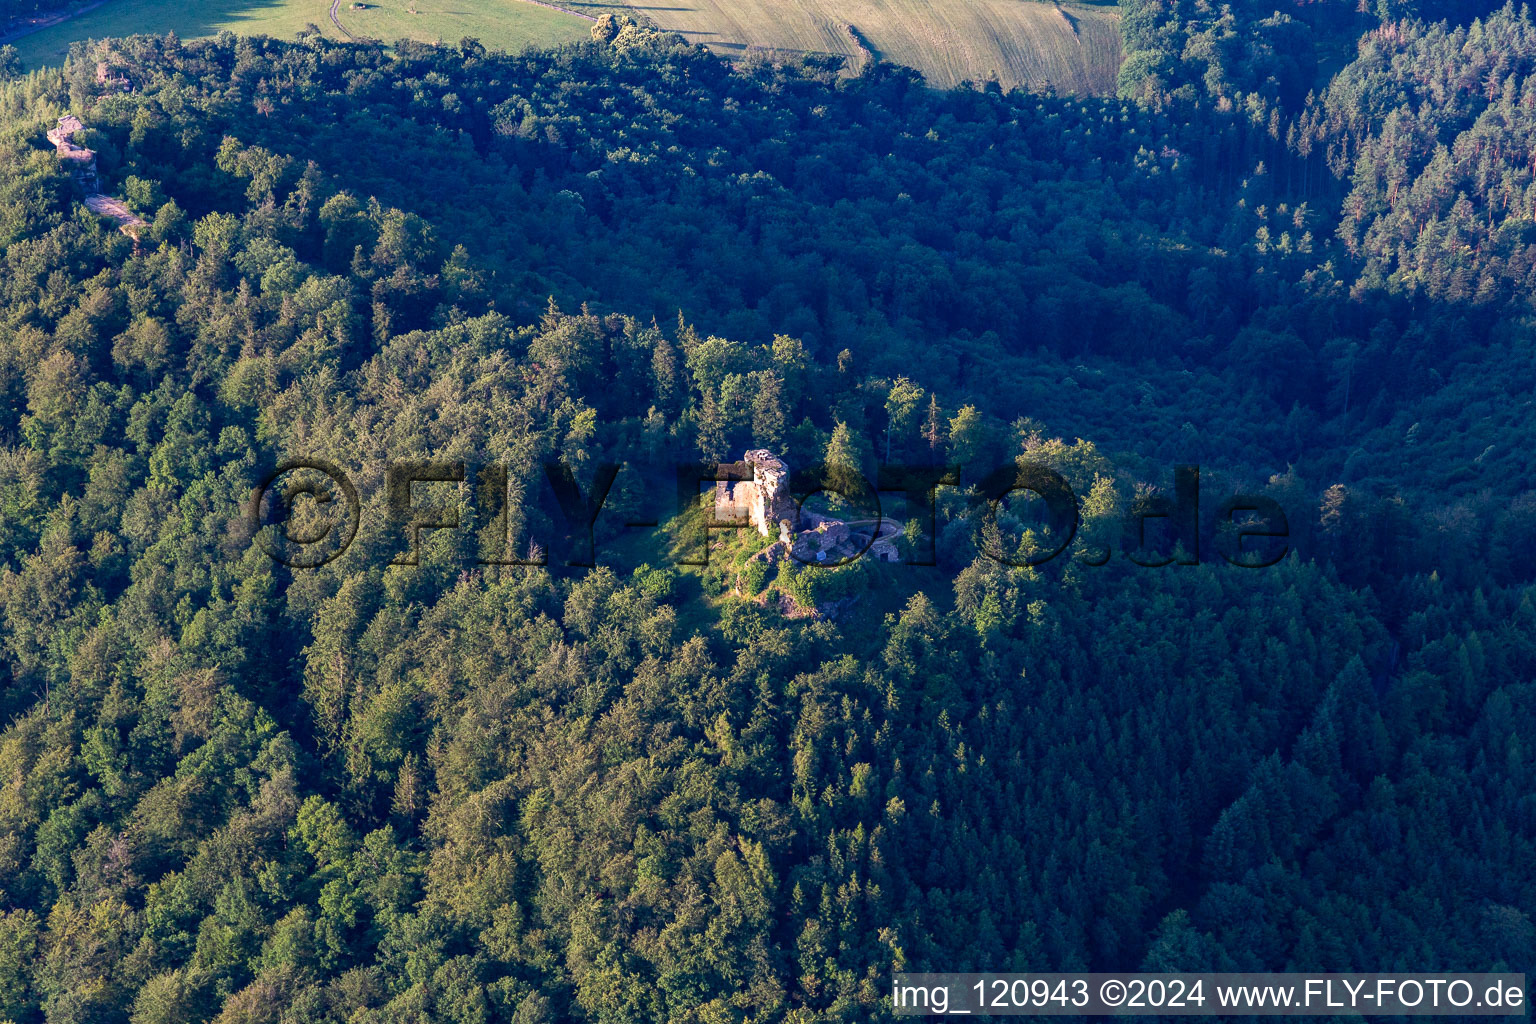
(499, 24)
(737, 598)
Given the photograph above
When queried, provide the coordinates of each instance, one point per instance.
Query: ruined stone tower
(763, 501)
(770, 503)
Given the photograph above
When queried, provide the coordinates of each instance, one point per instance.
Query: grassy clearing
(1071, 47)
(500, 24)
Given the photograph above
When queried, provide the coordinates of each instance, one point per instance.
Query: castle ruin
(765, 503)
(81, 161)
(82, 166)
(112, 77)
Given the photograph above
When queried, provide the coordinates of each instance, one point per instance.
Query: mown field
(1071, 47)
(501, 24)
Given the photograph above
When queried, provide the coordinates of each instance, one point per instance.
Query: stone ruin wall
(765, 503)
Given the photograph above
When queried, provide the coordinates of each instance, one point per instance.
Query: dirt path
(336, 6)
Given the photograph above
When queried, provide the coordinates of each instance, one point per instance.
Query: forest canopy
(235, 791)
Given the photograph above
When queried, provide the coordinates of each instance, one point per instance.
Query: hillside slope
(235, 790)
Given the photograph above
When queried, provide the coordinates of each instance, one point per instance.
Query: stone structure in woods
(112, 76)
(82, 167)
(765, 502)
(80, 161)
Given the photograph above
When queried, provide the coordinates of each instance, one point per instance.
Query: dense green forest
(234, 791)
(1248, 51)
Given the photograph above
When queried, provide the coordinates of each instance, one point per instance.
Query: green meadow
(501, 24)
